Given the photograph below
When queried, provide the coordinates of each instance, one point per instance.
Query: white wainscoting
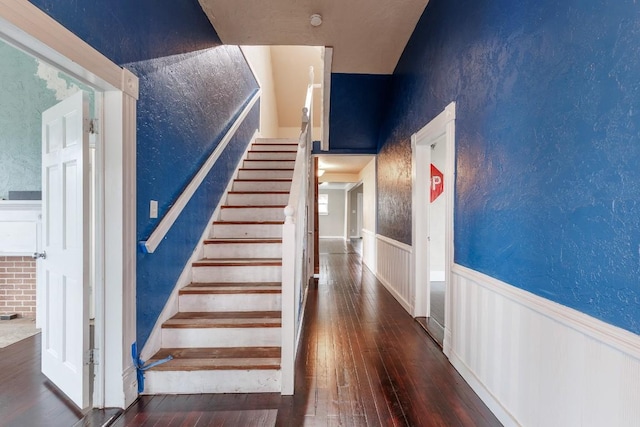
(393, 269)
(538, 363)
(369, 249)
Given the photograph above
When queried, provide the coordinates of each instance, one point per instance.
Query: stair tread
(266, 169)
(250, 222)
(264, 180)
(269, 160)
(273, 151)
(240, 240)
(191, 359)
(231, 288)
(254, 206)
(252, 319)
(231, 262)
(259, 192)
(228, 315)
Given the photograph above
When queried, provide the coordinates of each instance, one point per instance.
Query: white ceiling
(348, 164)
(368, 36)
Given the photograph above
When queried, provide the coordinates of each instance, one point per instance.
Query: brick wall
(18, 285)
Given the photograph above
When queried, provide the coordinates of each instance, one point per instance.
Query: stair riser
(243, 250)
(275, 141)
(262, 164)
(230, 302)
(274, 147)
(237, 274)
(221, 230)
(217, 381)
(267, 155)
(221, 337)
(265, 174)
(261, 186)
(252, 214)
(257, 199)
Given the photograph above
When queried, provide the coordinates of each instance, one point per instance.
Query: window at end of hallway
(323, 204)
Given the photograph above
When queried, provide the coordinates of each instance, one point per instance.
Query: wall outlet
(153, 209)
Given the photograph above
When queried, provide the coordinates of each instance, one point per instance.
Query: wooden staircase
(226, 335)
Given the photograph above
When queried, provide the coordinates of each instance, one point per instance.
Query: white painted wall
(332, 225)
(368, 178)
(294, 132)
(259, 59)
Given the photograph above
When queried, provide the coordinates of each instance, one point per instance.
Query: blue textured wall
(191, 89)
(548, 144)
(357, 107)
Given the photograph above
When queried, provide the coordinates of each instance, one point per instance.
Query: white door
(65, 270)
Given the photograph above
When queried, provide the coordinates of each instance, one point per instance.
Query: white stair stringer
(226, 335)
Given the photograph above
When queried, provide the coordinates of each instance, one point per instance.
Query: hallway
(364, 362)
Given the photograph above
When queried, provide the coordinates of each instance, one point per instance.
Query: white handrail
(297, 248)
(163, 227)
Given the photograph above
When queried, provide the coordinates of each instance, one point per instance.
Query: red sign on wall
(437, 183)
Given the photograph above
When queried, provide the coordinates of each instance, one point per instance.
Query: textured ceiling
(368, 36)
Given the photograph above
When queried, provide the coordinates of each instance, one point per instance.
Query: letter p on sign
(437, 183)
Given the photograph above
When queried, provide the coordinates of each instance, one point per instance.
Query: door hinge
(91, 357)
(93, 126)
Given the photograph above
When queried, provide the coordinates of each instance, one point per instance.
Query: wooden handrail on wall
(163, 227)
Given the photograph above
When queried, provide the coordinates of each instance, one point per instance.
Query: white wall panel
(537, 363)
(393, 269)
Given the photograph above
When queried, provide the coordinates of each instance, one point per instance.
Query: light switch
(153, 209)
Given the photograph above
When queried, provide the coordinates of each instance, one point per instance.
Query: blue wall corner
(548, 144)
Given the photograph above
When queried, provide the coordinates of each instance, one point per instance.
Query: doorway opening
(26, 28)
(433, 154)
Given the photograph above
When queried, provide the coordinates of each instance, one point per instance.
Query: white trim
(326, 97)
(395, 243)
(154, 342)
(20, 205)
(163, 227)
(442, 125)
(483, 393)
(332, 237)
(389, 287)
(27, 27)
(618, 338)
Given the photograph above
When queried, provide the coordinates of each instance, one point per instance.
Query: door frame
(443, 124)
(30, 29)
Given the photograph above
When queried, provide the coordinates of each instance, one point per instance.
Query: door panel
(65, 270)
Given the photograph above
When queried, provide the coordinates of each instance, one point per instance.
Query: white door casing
(441, 125)
(65, 268)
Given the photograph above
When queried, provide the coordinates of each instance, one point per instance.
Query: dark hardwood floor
(363, 362)
(27, 398)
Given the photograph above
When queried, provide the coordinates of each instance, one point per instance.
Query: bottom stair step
(197, 359)
(215, 370)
